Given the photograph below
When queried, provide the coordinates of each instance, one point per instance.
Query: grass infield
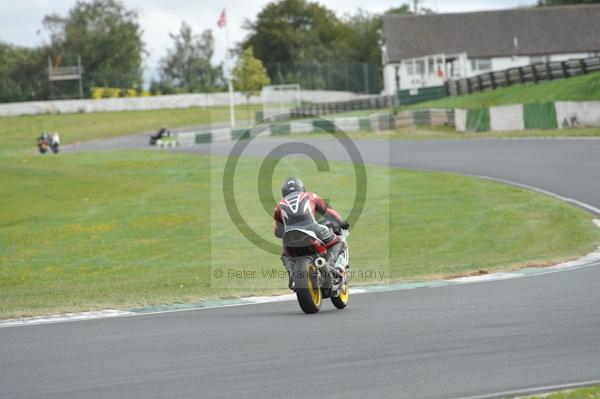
(101, 230)
(578, 393)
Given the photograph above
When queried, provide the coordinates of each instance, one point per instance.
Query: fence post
(366, 77)
(564, 68)
(549, 71)
(534, 73)
(521, 75)
(479, 83)
(493, 80)
(583, 66)
(507, 77)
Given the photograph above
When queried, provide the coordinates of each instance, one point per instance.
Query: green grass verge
(20, 132)
(579, 393)
(580, 88)
(90, 231)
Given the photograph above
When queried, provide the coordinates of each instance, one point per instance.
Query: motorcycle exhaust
(320, 262)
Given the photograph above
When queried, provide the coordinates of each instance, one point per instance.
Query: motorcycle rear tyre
(307, 291)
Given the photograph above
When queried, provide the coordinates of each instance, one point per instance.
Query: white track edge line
(572, 201)
(535, 391)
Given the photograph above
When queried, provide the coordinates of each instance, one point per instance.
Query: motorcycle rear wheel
(308, 291)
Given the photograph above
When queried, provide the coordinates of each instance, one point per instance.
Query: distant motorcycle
(55, 145)
(163, 132)
(313, 278)
(43, 143)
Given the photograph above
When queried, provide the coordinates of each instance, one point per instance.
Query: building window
(481, 64)
(538, 59)
(420, 67)
(410, 68)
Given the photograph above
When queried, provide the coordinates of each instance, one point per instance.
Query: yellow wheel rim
(315, 291)
(344, 293)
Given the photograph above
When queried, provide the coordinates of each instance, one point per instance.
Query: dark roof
(547, 30)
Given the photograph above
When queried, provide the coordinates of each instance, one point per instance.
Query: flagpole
(229, 73)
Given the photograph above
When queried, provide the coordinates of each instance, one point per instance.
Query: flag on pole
(222, 20)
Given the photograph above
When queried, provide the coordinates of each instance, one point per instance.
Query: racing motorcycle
(163, 132)
(54, 146)
(314, 279)
(43, 144)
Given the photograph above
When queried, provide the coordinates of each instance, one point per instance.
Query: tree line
(285, 37)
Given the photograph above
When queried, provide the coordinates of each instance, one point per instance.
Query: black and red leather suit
(298, 210)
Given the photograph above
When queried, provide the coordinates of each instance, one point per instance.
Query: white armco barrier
(158, 102)
(221, 135)
(301, 127)
(186, 139)
(577, 113)
(460, 119)
(347, 124)
(506, 118)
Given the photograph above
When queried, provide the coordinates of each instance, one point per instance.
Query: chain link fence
(354, 77)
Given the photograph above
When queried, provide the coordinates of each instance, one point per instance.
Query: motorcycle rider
(298, 208)
(55, 141)
(43, 141)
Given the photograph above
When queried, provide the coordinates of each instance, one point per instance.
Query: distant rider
(55, 141)
(298, 209)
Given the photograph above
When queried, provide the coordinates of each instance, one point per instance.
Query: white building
(426, 50)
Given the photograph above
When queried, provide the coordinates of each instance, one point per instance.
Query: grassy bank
(87, 231)
(579, 393)
(580, 88)
(448, 133)
(20, 132)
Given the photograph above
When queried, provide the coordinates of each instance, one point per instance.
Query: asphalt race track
(480, 339)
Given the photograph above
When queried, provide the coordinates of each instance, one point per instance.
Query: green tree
(542, 3)
(364, 33)
(296, 31)
(108, 38)
(23, 75)
(249, 75)
(403, 9)
(187, 65)
(303, 42)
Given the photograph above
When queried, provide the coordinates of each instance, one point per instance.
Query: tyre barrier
(373, 123)
(167, 143)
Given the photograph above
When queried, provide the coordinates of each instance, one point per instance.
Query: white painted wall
(507, 118)
(577, 114)
(497, 64)
(158, 102)
(389, 80)
(502, 63)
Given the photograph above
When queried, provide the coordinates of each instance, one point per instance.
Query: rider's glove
(344, 225)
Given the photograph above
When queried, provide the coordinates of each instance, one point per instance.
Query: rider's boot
(289, 266)
(333, 254)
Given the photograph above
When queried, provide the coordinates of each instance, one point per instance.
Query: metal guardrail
(65, 73)
(528, 74)
(344, 106)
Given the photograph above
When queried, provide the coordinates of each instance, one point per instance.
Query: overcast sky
(21, 20)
